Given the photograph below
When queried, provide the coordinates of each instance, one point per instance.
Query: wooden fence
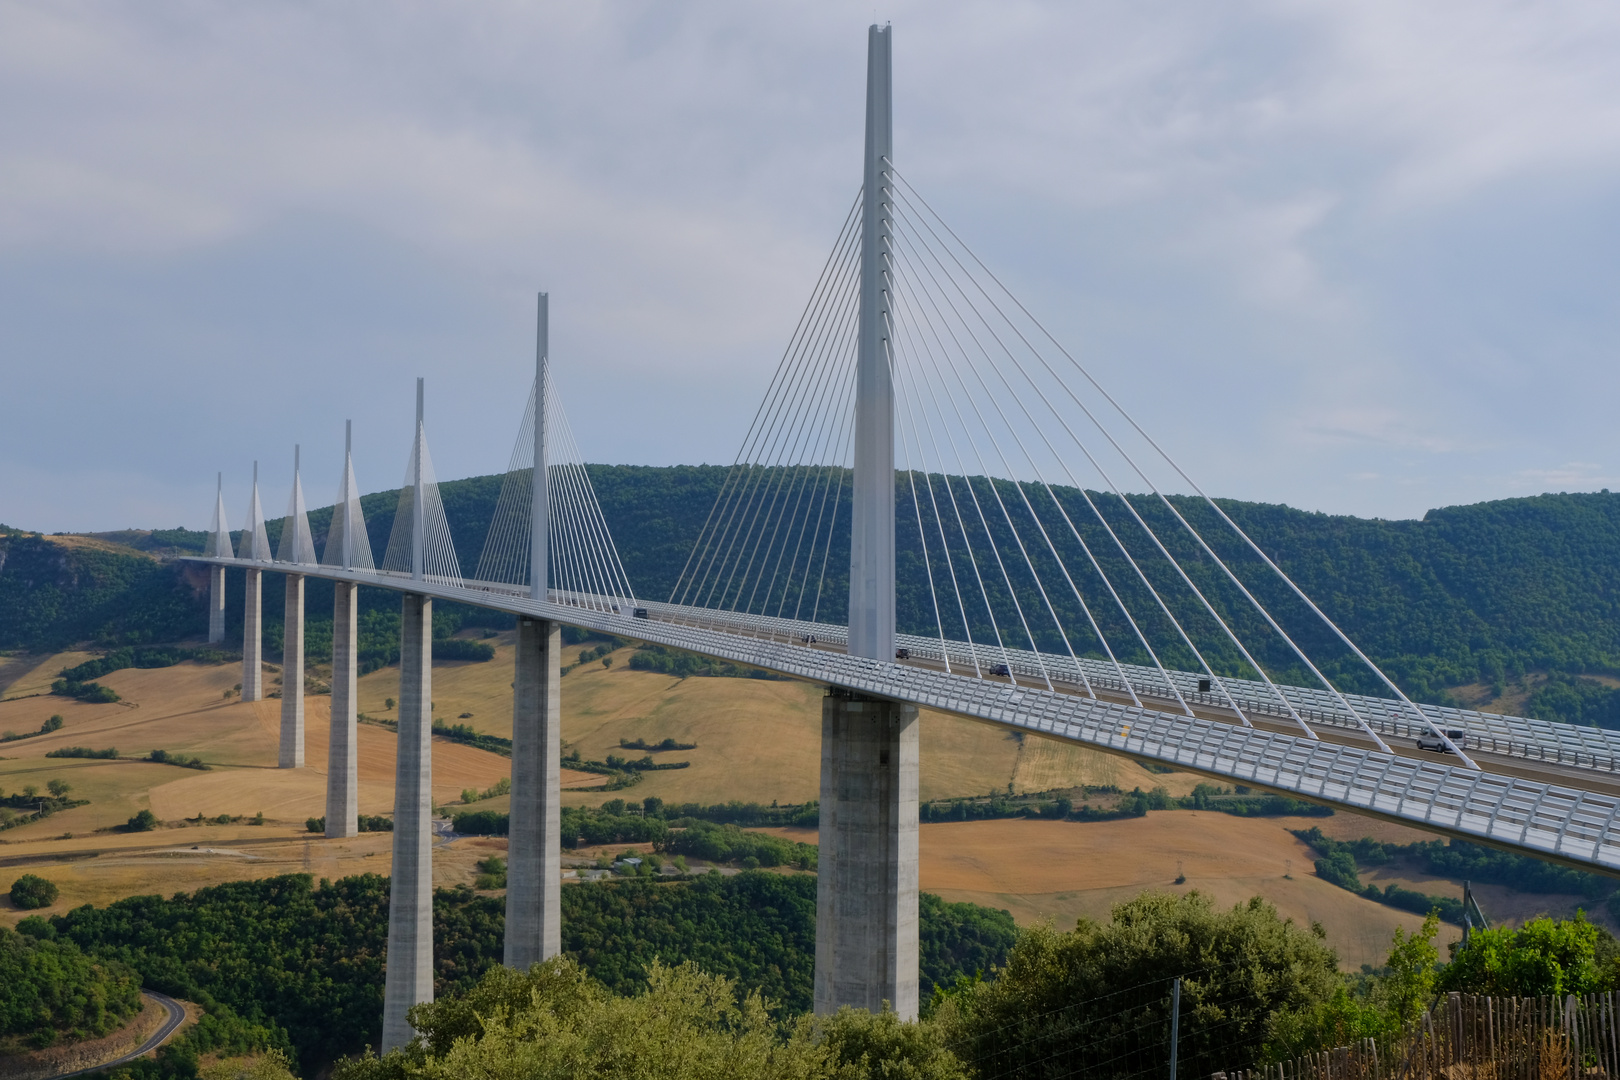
(1478, 1038)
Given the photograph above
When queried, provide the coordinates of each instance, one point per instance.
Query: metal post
(540, 502)
(348, 522)
(418, 526)
(1175, 1024)
(871, 552)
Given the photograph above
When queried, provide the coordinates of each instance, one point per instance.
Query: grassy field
(1060, 871)
(756, 740)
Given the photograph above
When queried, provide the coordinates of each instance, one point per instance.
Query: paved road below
(171, 1024)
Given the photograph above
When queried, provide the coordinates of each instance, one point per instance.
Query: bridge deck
(1555, 820)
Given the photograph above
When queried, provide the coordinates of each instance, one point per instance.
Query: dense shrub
(49, 989)
(1066, 1000)
(32, 891)
(554, 1021)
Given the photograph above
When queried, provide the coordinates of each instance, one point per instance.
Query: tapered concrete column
(409, 974)
(216, 605)
(866, 889)
(253, 640)
(534, 857)
(292, 677)
(342, 757)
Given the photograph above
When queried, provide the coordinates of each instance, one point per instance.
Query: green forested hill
(1468, 593)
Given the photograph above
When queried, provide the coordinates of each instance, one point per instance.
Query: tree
(1067, 999)
(388, 703)
(554, 1021)
(145, 821)
(32, 891)
(59, 788)
(1382, 1007)
(1544, 956)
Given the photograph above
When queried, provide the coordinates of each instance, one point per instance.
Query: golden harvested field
(1063, 870)
(757, 740)
(183, 710)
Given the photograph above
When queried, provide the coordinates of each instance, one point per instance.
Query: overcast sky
(1358, 257)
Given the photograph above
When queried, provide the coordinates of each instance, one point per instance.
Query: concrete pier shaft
(216, 605)
(292, 677)
(409, 973)
(534, 857)
(866, 890)
(253, 638)
(342, 757)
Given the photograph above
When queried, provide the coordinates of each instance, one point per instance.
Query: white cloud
(1258, 201)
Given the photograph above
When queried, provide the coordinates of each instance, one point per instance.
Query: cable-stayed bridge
(930, 510)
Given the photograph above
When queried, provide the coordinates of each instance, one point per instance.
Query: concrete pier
(866, 890)
(409, 974)
(292, 677)
(342, 758)
(253, 639)
(534, 863)
(216, 605)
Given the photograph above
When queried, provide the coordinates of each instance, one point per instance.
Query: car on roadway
(1430, 741)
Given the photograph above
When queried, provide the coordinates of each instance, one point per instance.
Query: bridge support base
(342, 756)
(253, 638)
(866, 890)
(292, 677)
(534, 858)
(408, 979)
(216, 605)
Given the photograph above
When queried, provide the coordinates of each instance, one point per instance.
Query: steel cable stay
(437, 558)
(835, 361)
(904, 445)
(844, 233)
(601, 541)
(809, 457)
(989, 360)
(1124, 609)
(1424, 720)
(566, 524)
(939, 522)
(813, 419)
(1185, 636)
(845, 454)
(768, 474)
(1276, 691)
(985, 525)
(592, 556)
(592, 523)
(835, 280)
(1012, 527)
(810, 356)
(348, 524)
(1181, 572)
(961, 525)
(505, 558)
(821, 476)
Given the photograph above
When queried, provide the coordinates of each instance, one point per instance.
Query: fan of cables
(583, 566)
(1036, 534)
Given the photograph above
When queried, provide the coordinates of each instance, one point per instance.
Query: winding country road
(177, 1016)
